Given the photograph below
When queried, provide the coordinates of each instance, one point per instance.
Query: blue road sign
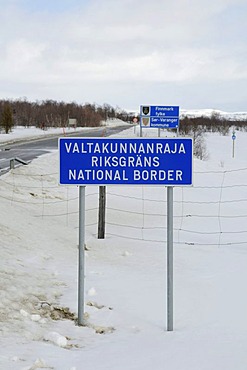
(107, 161)
(159, 116)
(160, 122)
(233, 137)
(160, 111)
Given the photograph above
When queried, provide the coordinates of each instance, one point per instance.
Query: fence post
(102, 211)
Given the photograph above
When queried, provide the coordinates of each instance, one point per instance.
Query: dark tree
(7, 118)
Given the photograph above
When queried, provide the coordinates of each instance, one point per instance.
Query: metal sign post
(233, 144)
(81, 267)
(169, 258)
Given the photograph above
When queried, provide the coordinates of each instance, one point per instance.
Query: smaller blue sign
(162, 122)
(233, 137)
(164, 111)
(159, 116)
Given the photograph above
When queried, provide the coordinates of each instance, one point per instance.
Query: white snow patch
(126, 254)
(92, 292)
(56, 338)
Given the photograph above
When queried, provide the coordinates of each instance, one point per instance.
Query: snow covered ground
(126, 272)
(20, 132)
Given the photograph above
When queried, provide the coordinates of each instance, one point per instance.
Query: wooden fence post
(102, 211)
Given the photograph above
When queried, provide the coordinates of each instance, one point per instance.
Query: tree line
(51, 113)
(214, 123)
(195, 127)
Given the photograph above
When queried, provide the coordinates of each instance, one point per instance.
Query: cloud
(129, 42)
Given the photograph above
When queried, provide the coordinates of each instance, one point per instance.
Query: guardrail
(17, 159)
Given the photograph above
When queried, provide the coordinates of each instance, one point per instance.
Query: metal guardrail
(17, 159)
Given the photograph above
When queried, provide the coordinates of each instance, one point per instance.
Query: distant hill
(231, 116)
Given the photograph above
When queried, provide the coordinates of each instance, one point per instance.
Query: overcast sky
(190, 53)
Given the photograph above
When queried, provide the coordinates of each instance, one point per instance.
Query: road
(29, 150)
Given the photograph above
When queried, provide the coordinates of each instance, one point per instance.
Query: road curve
(27, 150)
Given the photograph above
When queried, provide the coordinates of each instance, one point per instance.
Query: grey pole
(169, 258)
(140, 126)
(158, 132)
(81, 268)
(12, 163)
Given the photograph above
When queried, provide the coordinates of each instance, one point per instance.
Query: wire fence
(212, 215)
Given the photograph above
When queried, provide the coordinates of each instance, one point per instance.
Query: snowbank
(125, 279)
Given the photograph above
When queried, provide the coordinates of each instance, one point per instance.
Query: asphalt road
(29, 150)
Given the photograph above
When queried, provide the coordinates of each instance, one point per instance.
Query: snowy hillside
(126, 272)
(208, 113)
